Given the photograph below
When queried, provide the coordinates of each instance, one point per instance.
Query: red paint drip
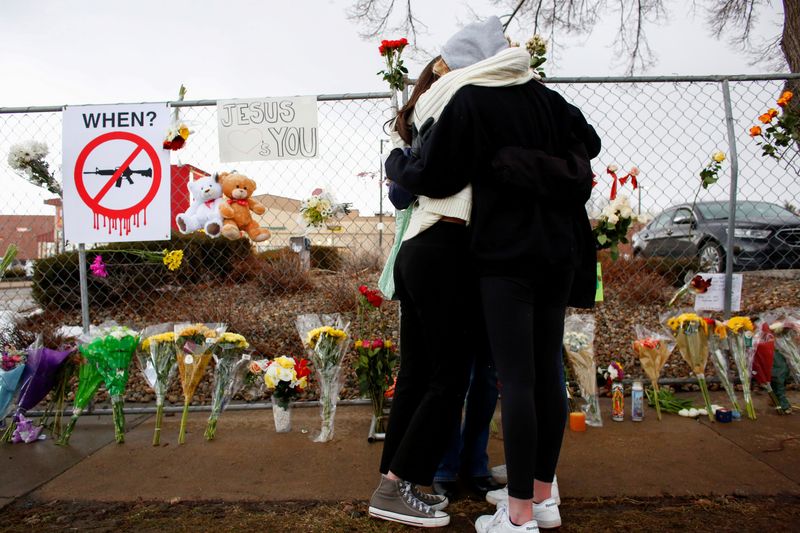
(121, 224)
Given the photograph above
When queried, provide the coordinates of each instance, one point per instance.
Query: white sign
(714, 298)
(265, 129)
(116, 173)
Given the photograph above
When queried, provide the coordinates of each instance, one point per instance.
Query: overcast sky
(92, 51)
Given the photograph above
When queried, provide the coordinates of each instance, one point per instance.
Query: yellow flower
(313, 336)
(302, 382)
(359, 344)
(720, 329)
(285, 362)
(680, 321)
(737, 323)
(198, 329)
(173, 259)
(269, 381)
(718, 156)
(388, 344)
(234, 338)
(184, 132)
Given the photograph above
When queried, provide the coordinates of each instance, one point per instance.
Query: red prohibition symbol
(118, 218)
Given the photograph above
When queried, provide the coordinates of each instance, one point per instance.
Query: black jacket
(526, 151)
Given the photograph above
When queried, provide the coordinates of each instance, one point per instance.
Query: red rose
(382, 50)
(700, 285)
(363, 289)
(301, 368)
(177, 143)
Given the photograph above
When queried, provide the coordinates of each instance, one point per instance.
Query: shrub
(327, 257)
(56, 280)
(15, 273)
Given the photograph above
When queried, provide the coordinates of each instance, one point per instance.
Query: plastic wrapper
(740, 343)
(13, 366)
(322, 209)
(785, 324)
(194, 346)
(653, 349)
(691, 335)
(325, 339)
(89, 380)
(231, 362)
(159, 364)
(717, 348)
(763, 360)
(579, 345)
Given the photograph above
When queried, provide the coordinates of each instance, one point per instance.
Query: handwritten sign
(116, 173)
(265, 129)
(714, 298)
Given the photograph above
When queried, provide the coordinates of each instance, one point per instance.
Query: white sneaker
(501, 495)
(501, 523)
(500, 474)
(546, 513)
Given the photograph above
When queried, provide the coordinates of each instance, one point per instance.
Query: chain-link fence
(667, 127)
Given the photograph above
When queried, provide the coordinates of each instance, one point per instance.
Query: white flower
(612, 372)
(612, 168)
(777, 327)
(312, 202)
(613, 219)
(634, 171)
(625, 212)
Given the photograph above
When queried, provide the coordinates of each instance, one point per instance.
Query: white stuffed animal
(203, 212)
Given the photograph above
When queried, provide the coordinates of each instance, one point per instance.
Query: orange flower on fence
(755, 131)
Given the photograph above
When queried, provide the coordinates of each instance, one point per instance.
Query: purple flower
(25, 431)
(39, 377)
(98, 267)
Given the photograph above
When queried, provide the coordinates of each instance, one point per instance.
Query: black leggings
(525, 322)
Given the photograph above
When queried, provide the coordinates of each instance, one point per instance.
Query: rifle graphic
(127, 174)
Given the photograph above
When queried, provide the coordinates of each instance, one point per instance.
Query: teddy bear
(203, 212)
(235, 209)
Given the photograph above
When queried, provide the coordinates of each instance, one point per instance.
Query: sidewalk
(250, 462)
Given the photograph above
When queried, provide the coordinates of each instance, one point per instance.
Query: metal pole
(84, 287)
(639, 206)
(726, 96)
(380, 198)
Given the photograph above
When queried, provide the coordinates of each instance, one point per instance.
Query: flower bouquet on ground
(325, 339)
(194, 345)
(38, 379)
(320, 207)
(377, 359)
(763, 361)
(740, 343)
(111, 350)
(287, 378)
(653, 350)
(12, 365)
(89, 380)
(785, 326)
(579, 345)
(158, 362)
(717, 345)
(230, 366)
(691, 336)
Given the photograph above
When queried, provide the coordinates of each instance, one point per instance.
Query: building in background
(34, 235)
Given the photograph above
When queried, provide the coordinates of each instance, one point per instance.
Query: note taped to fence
(714, 298)
(266, 129)
(598, 295)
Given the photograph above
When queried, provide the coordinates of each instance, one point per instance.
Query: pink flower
(98, 267)
(634, 171)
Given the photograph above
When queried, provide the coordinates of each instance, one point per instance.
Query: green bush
(15, 273)
(56, 280)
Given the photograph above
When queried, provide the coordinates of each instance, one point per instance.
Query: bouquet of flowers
(395, 71)
(579, 345)
(12, 365)
(653, 350)
(785, 325)
(287, 377)
(38, 378)
(782, 130)
(325, 338)
(376, 361)
(321, 207)
(89, 380)
(763, 360)
(178, 132)
(230, 366)
(691, 335)
(719, 358)
(194, 345)
(111, 349)
(158, 363)
(537, 48)
(369, 304)
(740, 342)
(27, 159)
(612, 226)
(171, 259)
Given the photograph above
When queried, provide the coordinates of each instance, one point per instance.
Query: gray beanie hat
(473, 43)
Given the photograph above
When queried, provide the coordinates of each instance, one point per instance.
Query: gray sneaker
(395, 501)
(437, 502)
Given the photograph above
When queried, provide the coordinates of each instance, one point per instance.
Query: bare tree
(726, 18)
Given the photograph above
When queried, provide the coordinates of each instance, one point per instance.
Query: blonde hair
(440, 68)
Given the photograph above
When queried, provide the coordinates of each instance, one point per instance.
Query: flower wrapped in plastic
(579, 345)
(320, 208)
(111, 349)
(287, 378)
(377, 359)
(89, 380)
(717, 348)
(158, 363)
(38, 379)
(653, 349)
(691, 335)
(763, 360)
(194, 346)
(230, 366)
(12, 365)
(785, 325)
(740, 342)
(325, 338)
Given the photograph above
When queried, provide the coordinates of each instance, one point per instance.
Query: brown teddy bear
(235, 210)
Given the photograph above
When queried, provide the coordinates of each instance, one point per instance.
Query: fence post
(726, 96)
(84, 287)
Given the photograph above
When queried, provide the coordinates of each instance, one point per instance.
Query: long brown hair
(403, 122)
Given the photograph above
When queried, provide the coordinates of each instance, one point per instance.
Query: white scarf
(510, 66)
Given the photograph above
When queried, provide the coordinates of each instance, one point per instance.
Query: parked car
(765, 235)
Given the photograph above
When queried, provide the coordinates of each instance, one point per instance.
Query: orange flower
(772, 112)
(785, 98)
(755, 131)
(766, 118)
